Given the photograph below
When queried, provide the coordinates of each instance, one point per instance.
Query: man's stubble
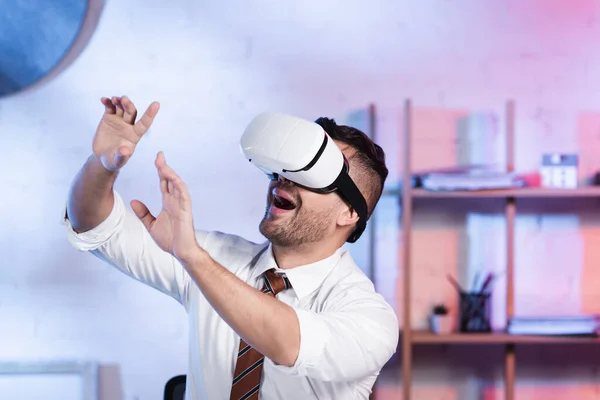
(302, 228)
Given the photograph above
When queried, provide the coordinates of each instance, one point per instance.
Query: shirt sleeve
(348, 343)
(124, 242)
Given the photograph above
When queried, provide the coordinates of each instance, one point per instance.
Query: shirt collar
(305, 279)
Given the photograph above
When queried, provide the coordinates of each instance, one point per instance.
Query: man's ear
(348, 217)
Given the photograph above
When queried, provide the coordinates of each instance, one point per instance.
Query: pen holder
(474, 312)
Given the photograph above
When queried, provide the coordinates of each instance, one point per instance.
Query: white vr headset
(303, 153)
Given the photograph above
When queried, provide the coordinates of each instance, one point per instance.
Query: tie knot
(276, 282)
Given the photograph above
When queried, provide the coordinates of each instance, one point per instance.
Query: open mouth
(283, 203)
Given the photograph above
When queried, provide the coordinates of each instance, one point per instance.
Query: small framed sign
(559, 170)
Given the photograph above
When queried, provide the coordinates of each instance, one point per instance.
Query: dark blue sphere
(38, 36)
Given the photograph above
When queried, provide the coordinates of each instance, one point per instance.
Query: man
(293, 318)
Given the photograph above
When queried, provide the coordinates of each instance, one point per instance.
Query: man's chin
(272, 222)
(267, 221)
(266, 228)
(273, 234)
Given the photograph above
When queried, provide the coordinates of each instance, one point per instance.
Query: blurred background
(213, 66)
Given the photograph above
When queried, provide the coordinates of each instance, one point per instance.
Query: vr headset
(303, 153)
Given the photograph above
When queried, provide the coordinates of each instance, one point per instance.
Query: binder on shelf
(467, 178)
(584, 325)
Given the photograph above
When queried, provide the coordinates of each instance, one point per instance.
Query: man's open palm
(118, 132)
(173, 228)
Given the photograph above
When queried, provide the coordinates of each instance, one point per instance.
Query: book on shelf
(469, 177)
(583, 325)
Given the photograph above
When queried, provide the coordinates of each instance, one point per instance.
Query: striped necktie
(249, 365)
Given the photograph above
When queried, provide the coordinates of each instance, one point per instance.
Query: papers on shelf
(575, 325)
(471, 182)
(475, 177)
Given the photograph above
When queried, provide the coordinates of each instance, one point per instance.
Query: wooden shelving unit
(496, 338)
(505, 193)
(408, 195)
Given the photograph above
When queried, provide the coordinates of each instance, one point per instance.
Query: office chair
(175, 388)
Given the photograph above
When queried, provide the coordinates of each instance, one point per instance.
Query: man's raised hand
(173, 228)
(118, 132)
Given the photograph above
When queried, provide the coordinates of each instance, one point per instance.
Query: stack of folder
(466, 178)
(482, 181)
(584, 325)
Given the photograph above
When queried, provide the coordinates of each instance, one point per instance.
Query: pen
(476, 280)
(487, 282)
(454, 283)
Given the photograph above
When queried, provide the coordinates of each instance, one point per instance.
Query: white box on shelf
(559, 170)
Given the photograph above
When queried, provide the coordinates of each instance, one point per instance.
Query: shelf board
(593, 191)
(496, 338)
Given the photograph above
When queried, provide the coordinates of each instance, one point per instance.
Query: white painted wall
(213, 65)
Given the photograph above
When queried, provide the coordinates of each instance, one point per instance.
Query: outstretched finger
(160, 161)
(143, 213)
(144, 123)
(180, 190)
(119, 107)
(164, 185)
(164, 170)
(109, 107)
(175, 185)
(130, 112)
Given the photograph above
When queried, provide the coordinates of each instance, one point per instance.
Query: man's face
(296, 216)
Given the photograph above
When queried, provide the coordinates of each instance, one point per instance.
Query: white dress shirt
(347, 330)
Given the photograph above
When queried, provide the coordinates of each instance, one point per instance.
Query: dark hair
(369, 158)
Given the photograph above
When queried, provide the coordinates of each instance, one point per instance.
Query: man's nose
(283, 181)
